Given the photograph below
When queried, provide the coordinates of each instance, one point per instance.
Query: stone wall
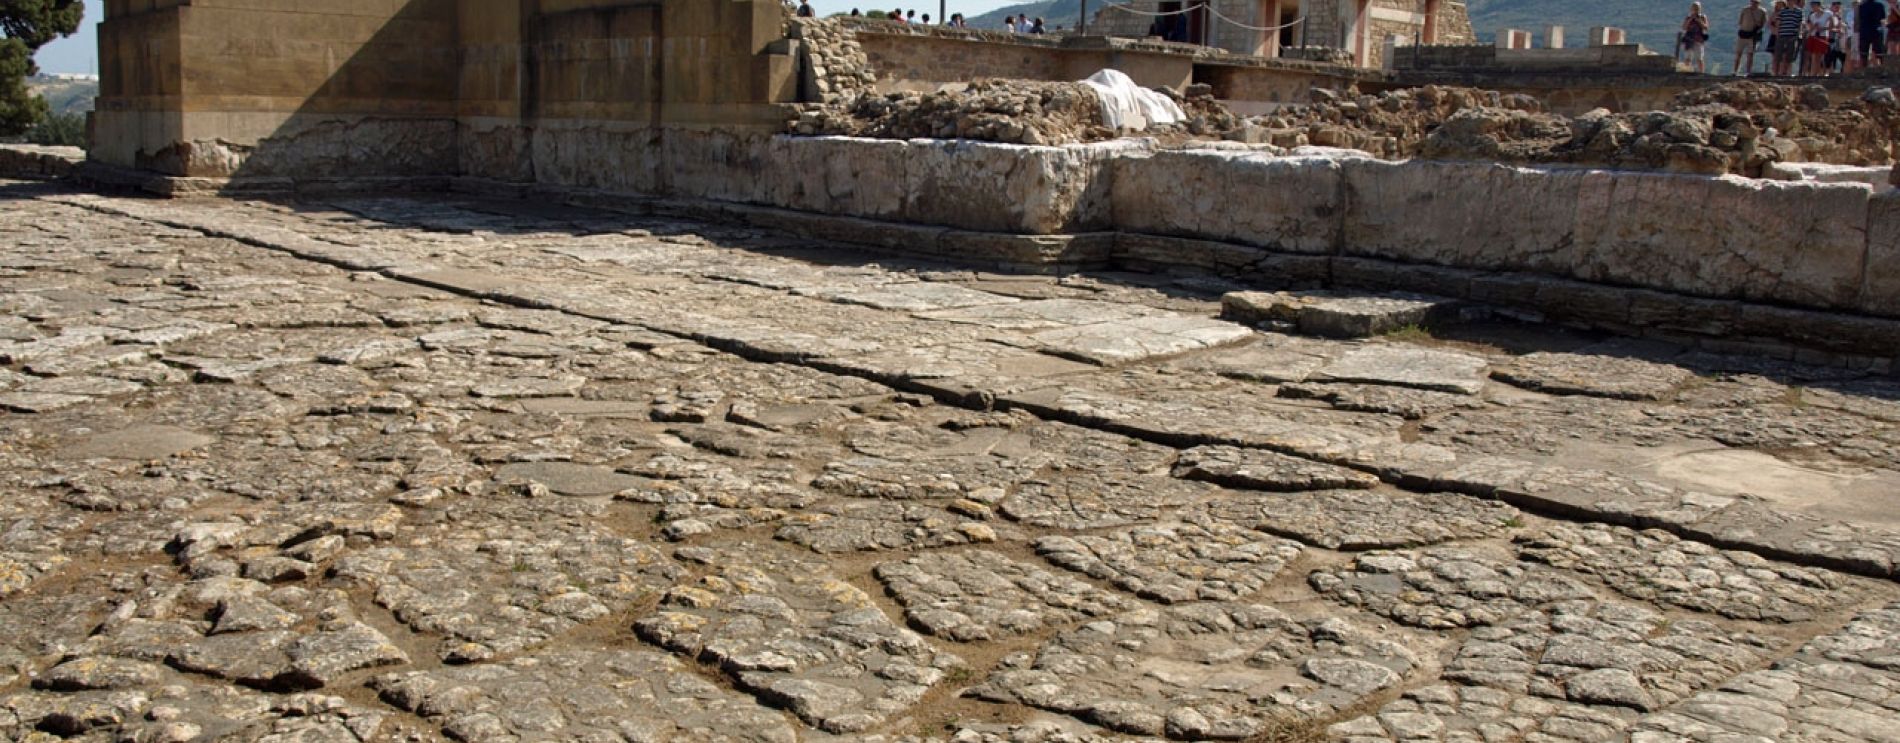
(1714, 262)
(917, 60)
(1725, 238)
(202, 88)
(266, 89)
(927, 58)
(39, 163)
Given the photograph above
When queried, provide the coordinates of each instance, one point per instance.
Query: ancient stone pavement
(384, 469)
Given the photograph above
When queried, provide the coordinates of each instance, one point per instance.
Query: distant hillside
(1648, 22)
(65, 96)
(1066, 14)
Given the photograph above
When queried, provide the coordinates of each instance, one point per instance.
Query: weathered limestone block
(837, 175)
(1284, 203)
(1798, 243)
(497, 149)
(1011, 188)
(330, 147)
(612, 157)
(968, 185)
(1462, 214)
(27, 161)
(717, 164)
(1881, 294)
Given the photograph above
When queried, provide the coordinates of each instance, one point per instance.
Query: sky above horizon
(80, 52)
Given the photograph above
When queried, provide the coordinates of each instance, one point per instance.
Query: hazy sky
(81, 52)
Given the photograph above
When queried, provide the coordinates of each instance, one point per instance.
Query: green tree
(59, 130)
(25, 26)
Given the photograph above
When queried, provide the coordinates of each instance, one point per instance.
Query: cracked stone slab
(1840, 686)
(966, 459)
(291, 659)
(1202, 670)
(509, 577)
(1043, 314)
(1404, 402)
(1195, 410)
(583, 695)
(567, 478)
(1095, 500)
(858, 527)
(39, 402)
(1445, 588)
(921, 296)
(136, 442)
(1408, 366)
(1872, 639)
(1355, 520)
(180, 711)
(872, 477)
(973, 369)
(1269, 359)
(1607, 654)
(1615, 377)
(1138, 339)
(788, 631)
(1658, 566)
(1475, 713)
(530, 387)
(978, 596)
(1259, 469)
(1603, 495)
(98, 357)
(1795, 701)
(1200, 560)
(1336, 314)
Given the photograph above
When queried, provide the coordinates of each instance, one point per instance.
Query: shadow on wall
(360, 96)
(633, 96)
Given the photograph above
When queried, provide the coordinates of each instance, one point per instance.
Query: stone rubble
(1736, 127)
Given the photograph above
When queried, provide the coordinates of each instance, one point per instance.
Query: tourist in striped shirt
(1788, 19)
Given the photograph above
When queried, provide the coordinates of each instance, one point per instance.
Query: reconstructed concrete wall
(212, 87)
(262, 89)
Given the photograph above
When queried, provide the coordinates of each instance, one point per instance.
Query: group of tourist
(895, 15)
(1021, 24)
(1013, 24)
(1817, 42)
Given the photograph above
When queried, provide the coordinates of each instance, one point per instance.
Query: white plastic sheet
(1130, 107)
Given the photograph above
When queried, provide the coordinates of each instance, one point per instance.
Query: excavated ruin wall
(961, 184)
(1804, 245)
(1801, 244)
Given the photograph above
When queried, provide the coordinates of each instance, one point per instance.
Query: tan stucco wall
(353, 88)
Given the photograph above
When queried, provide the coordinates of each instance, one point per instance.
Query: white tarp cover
(1130, 107)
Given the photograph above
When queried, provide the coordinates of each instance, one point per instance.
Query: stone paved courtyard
(393, 469)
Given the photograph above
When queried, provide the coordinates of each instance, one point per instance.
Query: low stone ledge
(32, 162)
(1843, 339)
